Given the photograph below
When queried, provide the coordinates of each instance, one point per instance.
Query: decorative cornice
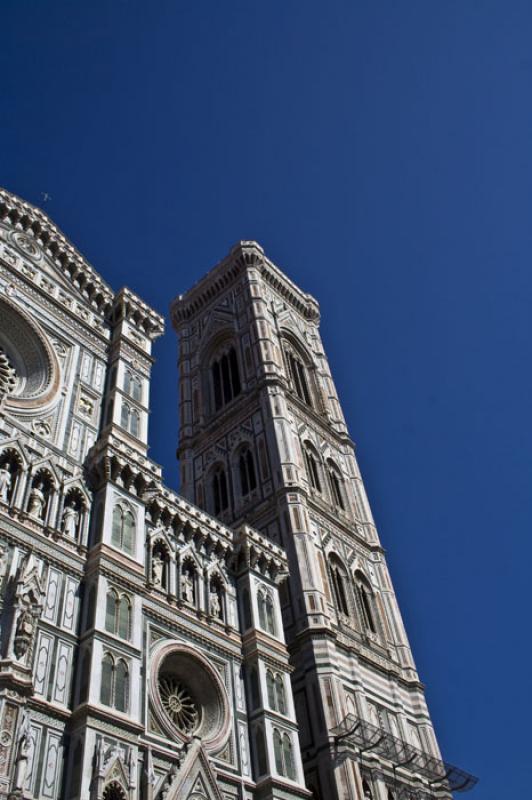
(69, 263)
(244, 255)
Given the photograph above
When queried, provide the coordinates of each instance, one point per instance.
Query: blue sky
(380, 152)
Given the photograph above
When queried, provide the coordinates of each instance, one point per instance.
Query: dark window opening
(225, 379)
(219, 491)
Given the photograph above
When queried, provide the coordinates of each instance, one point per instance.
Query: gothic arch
(114, 791)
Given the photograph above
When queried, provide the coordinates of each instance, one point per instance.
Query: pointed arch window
(133, 386)
(246, 466)
(130, 420)
(298, 376)
(366, 601)
(266, 611)
(114, 688)
(337, 485)
(225, 378)
(311, 464)
(284, 754)
(276, 692)
(270, 687)
(123, 529)
(220, 495)
(339, 582)
(280, 695)
(118, 614)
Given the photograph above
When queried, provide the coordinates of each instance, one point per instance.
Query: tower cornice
(243, 256)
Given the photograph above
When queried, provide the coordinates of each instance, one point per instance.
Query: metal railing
(365, 737)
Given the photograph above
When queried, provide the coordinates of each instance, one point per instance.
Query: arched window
(106, 688)
(123, 529)
(225, 378)
(336, 484)
(114, 689)
(118, 614)
(270, 686)
(220, 495)
(280, 696)
(266, 611)
(246, 466)
(130, 420)
(312, 469)
(114, 792)
(278, 751)
(121, 687)
(133, 386)
(124, 618)
(124, 416)
(111, 611)
(134, 422)
(284, 756)
(339, 581)
(366, 601)
(288, 757)
(298, 377)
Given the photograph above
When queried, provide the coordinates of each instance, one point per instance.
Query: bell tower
(263, 441)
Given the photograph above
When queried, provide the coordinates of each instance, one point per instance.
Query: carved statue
(187, 587)
(24, 632)
(157, 569)
(22, 756)
(70, 520)
(168, 782)
(5, 482)
(214, 604)
(37, 501)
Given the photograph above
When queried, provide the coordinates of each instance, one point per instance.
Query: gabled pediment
(196, 779)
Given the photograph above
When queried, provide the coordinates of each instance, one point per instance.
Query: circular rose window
(29, 372)
(188, 696)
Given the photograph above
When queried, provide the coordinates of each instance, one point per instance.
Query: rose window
(178, 703)
(8, 376)
(29, 370)
(188, 695)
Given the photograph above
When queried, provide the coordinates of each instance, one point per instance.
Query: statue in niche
(187, 587)
(24, 632)
(22, 756)
(157, 569)
(37, 501)
(70, 520)
(215, 607)
(5, 482)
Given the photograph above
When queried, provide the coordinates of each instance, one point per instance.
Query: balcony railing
(365, 737)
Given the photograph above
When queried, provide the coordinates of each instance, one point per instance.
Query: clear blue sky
(381, 153)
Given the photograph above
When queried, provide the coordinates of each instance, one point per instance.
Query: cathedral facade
(240, 640)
